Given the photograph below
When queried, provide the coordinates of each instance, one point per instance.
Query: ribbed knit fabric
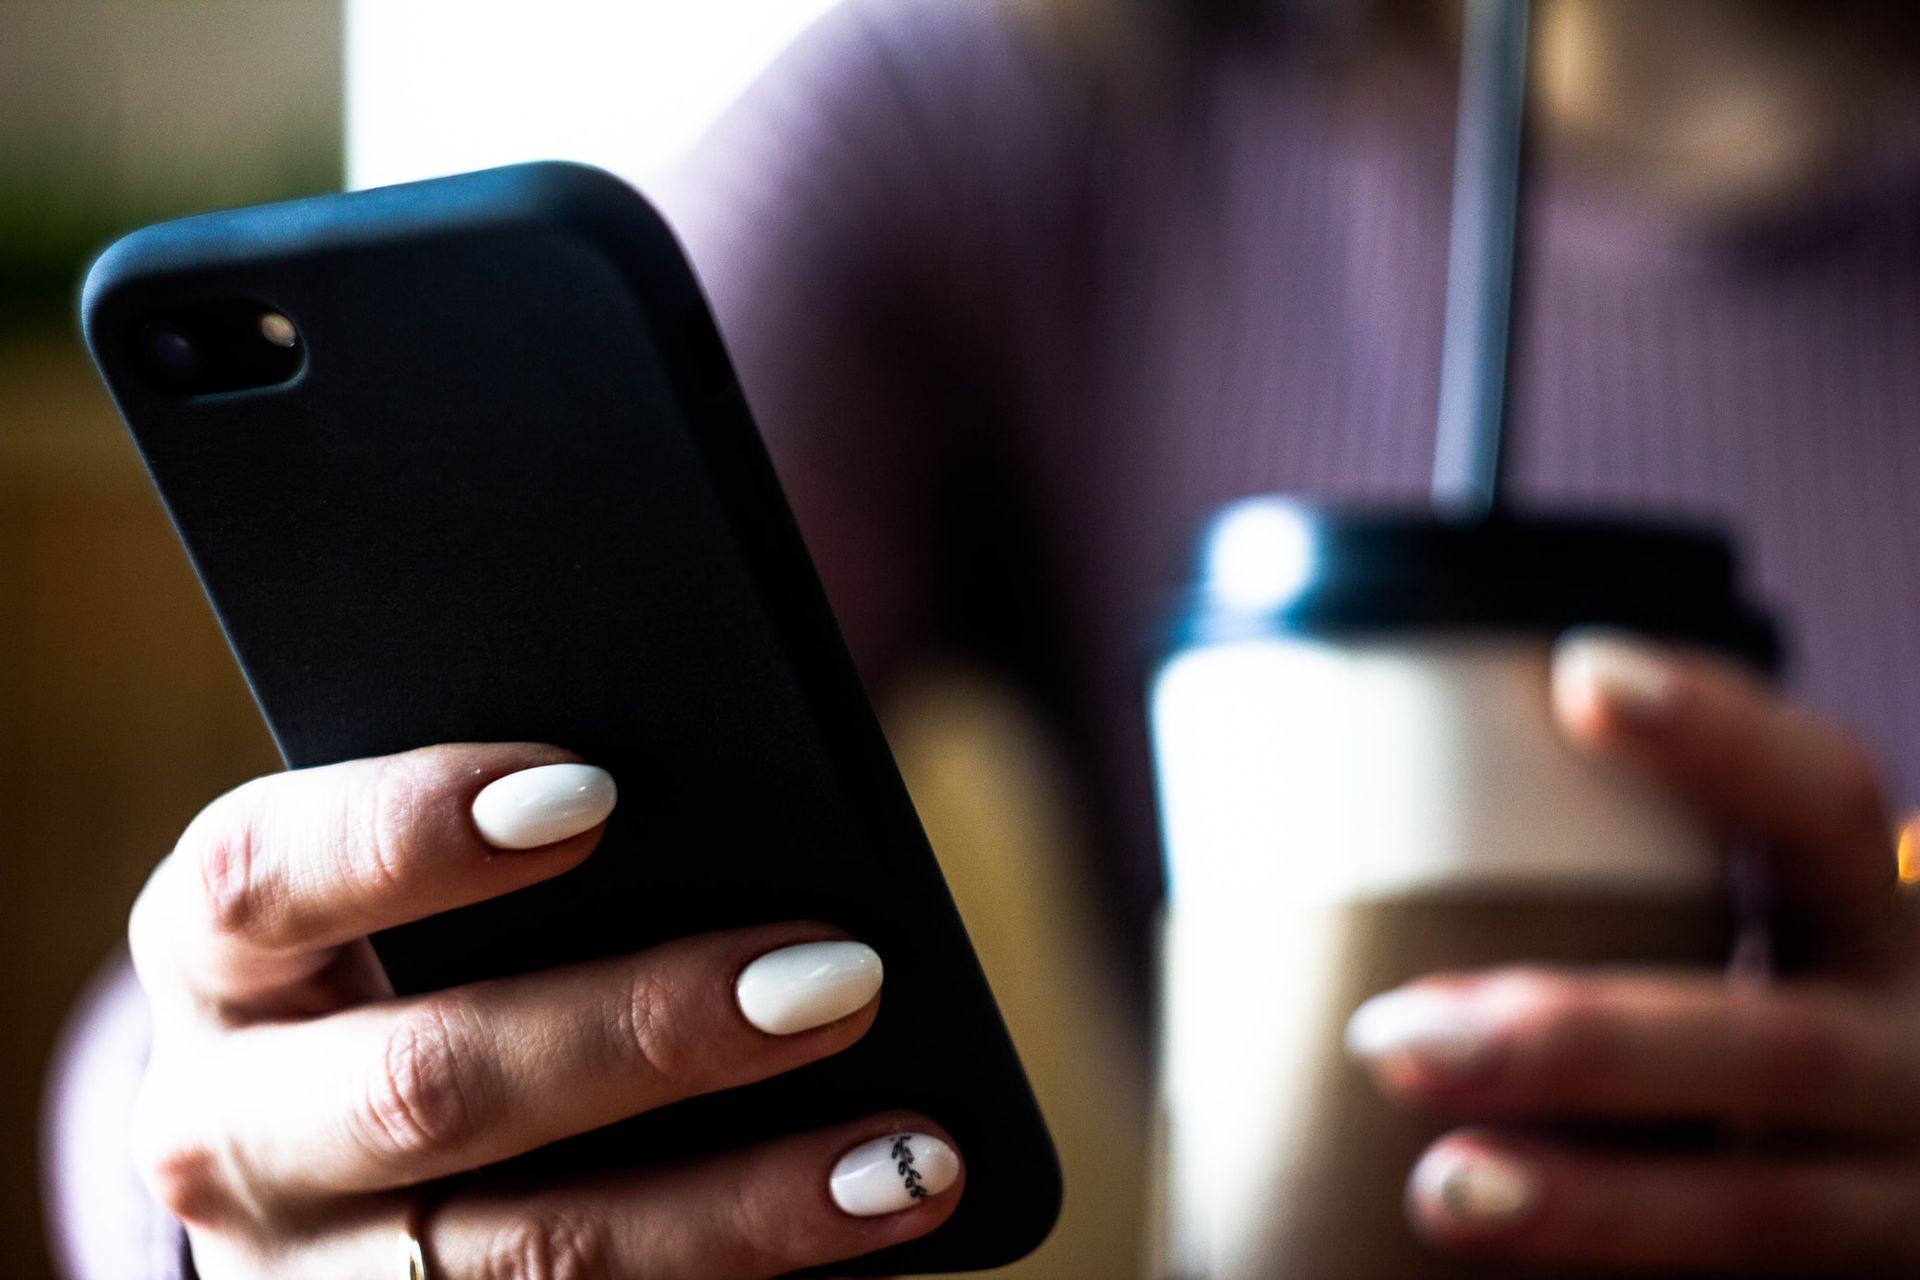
(1013, 331)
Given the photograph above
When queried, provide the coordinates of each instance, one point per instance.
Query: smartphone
(464, 461)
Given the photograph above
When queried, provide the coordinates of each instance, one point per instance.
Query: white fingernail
(892, 1173)
(1615, 668)
(1444, 1034)
(799, 988)
(1474, 1188)
(539, 806)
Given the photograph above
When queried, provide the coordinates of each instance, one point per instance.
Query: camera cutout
(230, 344)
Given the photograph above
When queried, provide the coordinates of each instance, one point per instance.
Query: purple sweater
(1012, 330)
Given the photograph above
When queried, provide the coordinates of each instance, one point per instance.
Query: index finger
(1743, 752)
(269, 879)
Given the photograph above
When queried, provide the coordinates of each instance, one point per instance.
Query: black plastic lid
(1270, 566)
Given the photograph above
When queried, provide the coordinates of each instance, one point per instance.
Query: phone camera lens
(171, 353)
(212, 345)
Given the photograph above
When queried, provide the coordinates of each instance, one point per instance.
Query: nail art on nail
(1474, 1188)
(801, 987)
(892, 1173)
(543, 805)
(1443, 1034)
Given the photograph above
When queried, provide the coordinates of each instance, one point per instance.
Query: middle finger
(400, 1092)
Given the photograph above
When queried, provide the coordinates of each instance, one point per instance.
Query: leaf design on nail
(903, 1163)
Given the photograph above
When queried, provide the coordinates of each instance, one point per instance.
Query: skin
(1813, 1079)
(1721, 108)
(292, 1100)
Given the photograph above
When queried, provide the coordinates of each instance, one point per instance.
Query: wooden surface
(121, 713)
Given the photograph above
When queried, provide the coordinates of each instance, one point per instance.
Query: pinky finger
(1496, 1196)
(799, 1202)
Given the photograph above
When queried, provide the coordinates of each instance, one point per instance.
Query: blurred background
(121, 712)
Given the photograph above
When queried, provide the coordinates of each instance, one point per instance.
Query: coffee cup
(1360, 783)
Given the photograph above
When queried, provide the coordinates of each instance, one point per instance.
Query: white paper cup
(1360, 783)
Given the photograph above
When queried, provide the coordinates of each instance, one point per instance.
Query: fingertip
(1608, 683)
(806, 985)
(862, 1191)
(1470, 1189)
(897, 1171)
(542, 805)
(1425, 1039)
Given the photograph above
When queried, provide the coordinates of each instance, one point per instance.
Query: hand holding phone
(281, 1046)
(464, 462)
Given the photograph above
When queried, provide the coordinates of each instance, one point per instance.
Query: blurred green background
(114, 114)
(120, 712)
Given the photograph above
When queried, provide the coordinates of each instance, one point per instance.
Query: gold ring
(413, 1259)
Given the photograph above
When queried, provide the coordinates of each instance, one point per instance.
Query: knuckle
(222, 847)
(426, 1093)
(181, 1170)
(769, 1238)
(651, 1040)
(550, 1243)
(184, 1180)
(398, 796)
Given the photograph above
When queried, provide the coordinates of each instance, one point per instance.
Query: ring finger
(797, 1202)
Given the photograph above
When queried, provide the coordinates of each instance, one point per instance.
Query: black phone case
(515, 495)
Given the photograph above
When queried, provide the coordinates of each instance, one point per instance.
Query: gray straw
(1486, 179)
